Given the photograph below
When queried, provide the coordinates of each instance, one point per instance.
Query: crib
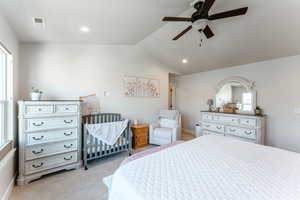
(96, 149)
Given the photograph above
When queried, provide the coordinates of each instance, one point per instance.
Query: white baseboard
(10, 188)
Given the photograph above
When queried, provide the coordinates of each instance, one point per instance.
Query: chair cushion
(167, 123)
(169, 114)
(163, 133)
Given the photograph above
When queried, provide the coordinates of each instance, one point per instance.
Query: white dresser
(245, 127)
(49, 138)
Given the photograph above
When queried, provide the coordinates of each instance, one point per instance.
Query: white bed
(210, 168)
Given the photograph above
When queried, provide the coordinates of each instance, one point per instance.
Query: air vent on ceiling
(39, 22)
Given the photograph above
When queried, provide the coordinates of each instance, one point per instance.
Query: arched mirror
(236, 93)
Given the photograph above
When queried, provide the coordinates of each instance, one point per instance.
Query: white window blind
(5, 87)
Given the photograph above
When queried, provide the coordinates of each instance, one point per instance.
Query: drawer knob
(66, 108)
(69, 158)
(38, 124)
(248, 132)
(68, 134)
(68, 122)
(232, 130)
(38, 166)
(38, 152)
(219, 127)
(38, 138)
(68, 146)
(40, 109)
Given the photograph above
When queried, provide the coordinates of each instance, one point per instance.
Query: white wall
(7, 168)
(67, 71)
(277, 83)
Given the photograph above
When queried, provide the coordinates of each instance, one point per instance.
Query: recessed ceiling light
(84, 29)
(185, 61)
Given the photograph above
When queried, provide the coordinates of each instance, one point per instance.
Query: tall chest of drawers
(244, 127)
(49, 138)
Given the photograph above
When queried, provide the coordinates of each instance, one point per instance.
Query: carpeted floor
(72, 185)
(75, 184)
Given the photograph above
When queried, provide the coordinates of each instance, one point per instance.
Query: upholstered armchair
(167, 129)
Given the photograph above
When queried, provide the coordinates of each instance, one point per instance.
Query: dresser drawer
(229, 120)
(50, 123)
(38, 151)
(248, 122)
(207, 117)
(214, 127)
(51, 136)
(241, 132)
(39, 109)
(66, 108)
(50, 162)
(141, 131)
(206, 132)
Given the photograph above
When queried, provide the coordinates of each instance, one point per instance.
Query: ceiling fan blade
(183, 32)
(231, 13)
(177, 19)
(207, 32)
(208, 4)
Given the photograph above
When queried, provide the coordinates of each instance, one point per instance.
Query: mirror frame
(249, 85)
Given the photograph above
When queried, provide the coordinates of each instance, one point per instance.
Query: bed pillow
(168, 123)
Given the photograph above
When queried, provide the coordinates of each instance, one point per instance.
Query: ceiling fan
(201, 17)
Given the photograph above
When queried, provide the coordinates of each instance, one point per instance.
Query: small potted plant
(36, 94)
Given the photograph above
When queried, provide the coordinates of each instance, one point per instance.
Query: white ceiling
(110, 21)
(269, 30)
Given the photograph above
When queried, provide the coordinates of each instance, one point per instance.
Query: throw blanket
(107, 132)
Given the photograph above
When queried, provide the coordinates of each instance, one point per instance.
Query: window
(5, 94)
(247, 102)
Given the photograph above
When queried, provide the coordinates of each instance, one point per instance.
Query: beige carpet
(75, 184)
(71, 185)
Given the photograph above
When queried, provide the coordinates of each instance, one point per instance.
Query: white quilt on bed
(210, 168)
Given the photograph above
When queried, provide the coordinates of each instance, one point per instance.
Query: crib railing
(96, 149)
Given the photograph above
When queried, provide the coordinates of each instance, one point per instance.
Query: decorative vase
(35, 96)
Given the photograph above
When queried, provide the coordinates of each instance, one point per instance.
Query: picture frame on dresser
(49, 138)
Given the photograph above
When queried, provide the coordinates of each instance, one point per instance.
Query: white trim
(9, 189)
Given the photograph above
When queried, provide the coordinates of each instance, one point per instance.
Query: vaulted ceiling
(110, 21)
(269, 30)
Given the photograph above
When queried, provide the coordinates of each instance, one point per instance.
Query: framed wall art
(141, 87)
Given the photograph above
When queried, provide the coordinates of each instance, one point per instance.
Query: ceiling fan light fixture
(201, 17)
(200, 24)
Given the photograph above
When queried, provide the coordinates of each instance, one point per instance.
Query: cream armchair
(168, 128)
